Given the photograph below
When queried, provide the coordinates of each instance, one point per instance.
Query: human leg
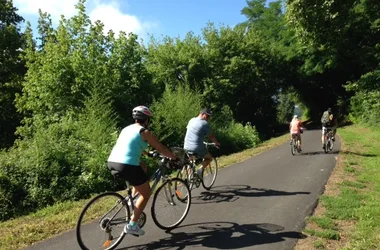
(137, 178)
(145, 192)
(299, 141)
(323, 136)
(145, 168)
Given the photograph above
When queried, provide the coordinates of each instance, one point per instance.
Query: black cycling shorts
(135, 175)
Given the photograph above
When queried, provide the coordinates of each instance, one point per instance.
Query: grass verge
(348, 214)
(51, 221)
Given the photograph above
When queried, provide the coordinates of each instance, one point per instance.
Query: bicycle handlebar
(210, 144)
(156, 154)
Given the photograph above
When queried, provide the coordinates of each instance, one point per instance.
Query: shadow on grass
(347, 152)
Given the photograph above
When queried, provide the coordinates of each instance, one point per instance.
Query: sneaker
(135, 230)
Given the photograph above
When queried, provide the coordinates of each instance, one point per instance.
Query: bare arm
(214, 140)
(154, 142)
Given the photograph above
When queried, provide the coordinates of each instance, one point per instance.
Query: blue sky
(157, 17)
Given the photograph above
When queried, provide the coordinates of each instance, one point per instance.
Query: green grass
(48, 222)
(353, 184)
(325, 234)
(345, 206)
(323, 222)
(358, 200)
(319, 244)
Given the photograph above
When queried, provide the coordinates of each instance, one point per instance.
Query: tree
(285, 107)
(172, 61)
(339, 41)
(76, 57)
(12, 69)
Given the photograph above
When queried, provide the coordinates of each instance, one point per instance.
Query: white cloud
(54, 7)
(109, 13)
(112, 18)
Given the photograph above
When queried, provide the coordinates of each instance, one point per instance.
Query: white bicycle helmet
(141, 113)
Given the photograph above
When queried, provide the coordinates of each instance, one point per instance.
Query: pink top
(295, 126)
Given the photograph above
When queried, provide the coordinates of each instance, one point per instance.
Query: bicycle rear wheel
(293, 147)
(101, 222)
(331, 146)
(209, 174)
(186, 174)
(325, 148)
(171, 203)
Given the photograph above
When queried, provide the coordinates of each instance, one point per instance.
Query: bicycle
(189, 173)
(294, 144)
(114, 211)
(329, 142)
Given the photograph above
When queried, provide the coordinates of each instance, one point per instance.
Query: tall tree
(340, 42)
(12, 69)
(73, 58)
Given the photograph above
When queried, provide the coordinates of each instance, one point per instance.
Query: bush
(172, 112)
(177, 106)
(365, 107)
(65, 160)
(11, 191)
(365, 104)
(236, 137)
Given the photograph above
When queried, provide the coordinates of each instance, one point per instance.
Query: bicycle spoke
(101, 223)
(209, 174)
(171, 203)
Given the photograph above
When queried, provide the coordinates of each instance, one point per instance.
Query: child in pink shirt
(296, 128)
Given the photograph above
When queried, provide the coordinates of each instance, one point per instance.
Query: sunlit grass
(358, 199)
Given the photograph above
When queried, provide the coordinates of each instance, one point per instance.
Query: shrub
(172, 112)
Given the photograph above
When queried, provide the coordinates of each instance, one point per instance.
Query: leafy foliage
(81, 84)
(172, 113)
(75, 57)
(285, 107)
(365, 104)
(11, 70)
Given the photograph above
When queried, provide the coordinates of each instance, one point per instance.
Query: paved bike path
(260, 203)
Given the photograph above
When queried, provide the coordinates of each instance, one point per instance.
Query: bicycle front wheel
(209, 174)
(101, 223)
(171, 203)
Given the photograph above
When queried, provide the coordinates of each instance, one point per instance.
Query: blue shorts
(200, 151)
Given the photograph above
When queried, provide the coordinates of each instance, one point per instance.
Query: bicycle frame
(158, 175)
(191, 163)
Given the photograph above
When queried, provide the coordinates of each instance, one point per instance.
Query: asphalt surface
(260, 203)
